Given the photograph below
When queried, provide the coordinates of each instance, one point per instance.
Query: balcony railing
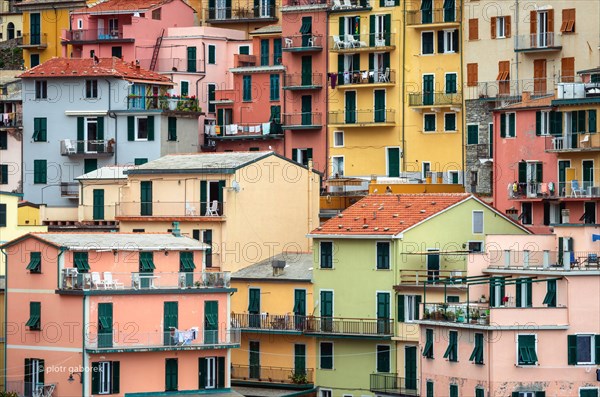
(69, 190)
(573, 142)
(266, 130)
(362, 42)
(70, 147)
(391, 384)
(170, 209)
(420, 276)
(300, 81)
(132, 340)
(366, 77)
(137, 102)
(12, 120)
(434, 99)
(258, 373)
(271, 322)
(538, 42)
(351, 5)
(543, 260)
(71, 279)
(303, 42)
(437, 16)
(473, 312)
(302, 120)
(570, 189)
(29, 40)
(350, 326)
(174, 65)
(28, 389)
(362, 117)
(510, 90)
(243, 12)
(93, 35)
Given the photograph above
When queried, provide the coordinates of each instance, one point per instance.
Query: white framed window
(475, 246)
(410, 308)
(429, 122)
(91, 89)
(425, 169)
(450, 122)
(41, 89)
(589, 392)
(105, 376)
(211, 373)
(113, 27)
(585, 348)
(80, 24)
(245, 49)
(545, 122)
(454, 177)
(338, 138)
(141, 128)
(326, 393)
(301, 156)
(450, 41)
(337, 165)
(526, 349)
(477, 222)
(500, 27)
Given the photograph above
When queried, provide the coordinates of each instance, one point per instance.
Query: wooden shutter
(474, 29)
(538, 123)
(565, 20)
(551, 21)
(341, 28)
(440, 41)
(507, 26)
(493, 27)
(95, 378)
(100, 130)
(592, 121)
(522, 172)
(597, 343)
(130, 128)
(372, 27)
(80, 134)
(533, 22)
(203, 196)
(472, 74)
(417, 307)
(567, 70)
(572, 349)
(202, 366)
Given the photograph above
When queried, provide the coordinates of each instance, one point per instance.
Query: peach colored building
(530, 323)
(90, 312)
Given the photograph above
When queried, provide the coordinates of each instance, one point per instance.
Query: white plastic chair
(110, 283)
(189, 209)
(385, 78)
(213, 209)
(338, 44)
(96, 281)
(288, 42)
(352, 42)
(70, 147)
(348, 4)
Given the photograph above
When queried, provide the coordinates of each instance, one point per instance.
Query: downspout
(200, 130)
(5, 311)
(112, 115)
(403, 85)
(84, 356)
(464, 108)
(516, 39)
(325, 115)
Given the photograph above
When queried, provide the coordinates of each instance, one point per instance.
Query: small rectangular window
(473, 134)
(326, 355)
(383, 255)
(140, 161)
(451, 352)
(35, 262)
(212, 54)
(35, 313)
(449, 122)
(172, 129)
(326, 254)
(91, 89)
(477, 222)
(274, 87)
(475, 246)
(451, 86)
(40, 171)
(80, 261)
(550, 298)
(526, 350)
(338, 138)
(3, 140)
(156, 14)
(247, 88)
(428, 350)
(477, 354)
(40, 129)
(383, 358)
(429, 122)
(3, 174)
(41, 89)
(427, 43)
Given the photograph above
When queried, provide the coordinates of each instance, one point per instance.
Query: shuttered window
(430, 388)
(40, 130)
(35, 314)
(212, 54)
(429, 122)
(474, 29)
(146, 262)
(472, 74)
(274, 87)
(172, 129)
(428, 349)
(326, 248)
(40, 171)
(477, 354)
(503, 71)
(567, 70)
(527, 354)
(583, 349)
(247, 88)
(453, 390)
(473, 134)
(383, 358)
(383, 255)
(326, 355)
(3, 174)
(186, 261)
(568, 21)
(35, 262)
(550, 298)
(80, 261)
(451, 83)
(451, 352)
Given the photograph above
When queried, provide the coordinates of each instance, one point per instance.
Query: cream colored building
(11, 21)
(248, 205)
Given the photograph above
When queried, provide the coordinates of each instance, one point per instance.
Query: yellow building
(273, 303)
(11, 25)
(99, 192)
(43, 24)
(29, 214)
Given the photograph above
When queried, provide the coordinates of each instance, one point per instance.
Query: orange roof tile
(388, 214)
(528, 102)
(86, 67)
(123, 6)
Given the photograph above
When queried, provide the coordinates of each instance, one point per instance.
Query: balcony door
(207, 372)
(433, 264)
(350, 111)
(588, 174)
(542, 29)
(410, 367)
(264, 8)
(113, 28)
(383, 312)
(562, 175)
(211, 322)
(326, 311)
(428, 84)
(170, 322)
(221, 9)
(146, 198)
(306, 110)
(539, 77)
(35, 28)
(299, 359)
(254, 360)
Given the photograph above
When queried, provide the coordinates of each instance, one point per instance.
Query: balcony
(353, 5)
(225, 97)
(131, 210)
(390, 384)
(284, 323)
(71, 280)
(164, 103)
(510, 90)
(248, 131)
(303, 81)
(94, 36)
(302, 121)
(538, 42)
(546, 260)
(417, 277)
(191, 339)
(576, 189)
(362, 118)
(34, 41)
(303, 43)
(573, 142)
(366, 78)
(475, 313)
(243, 12)
(373, 42)
(95, 148)
(13, 120)
(22, 388)
(358, 327)
(434, 99)
(572, 90)
(243, 374)
(69, 190)
(439, 17)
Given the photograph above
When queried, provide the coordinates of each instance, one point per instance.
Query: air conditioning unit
(77, 35)
(594, 191)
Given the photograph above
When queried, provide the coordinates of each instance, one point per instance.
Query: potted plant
(426, 314)
(198, 284)
(474, 316)
(450, 316)
(505, 301)
(483, 299)
(460, 315)
(299, 378)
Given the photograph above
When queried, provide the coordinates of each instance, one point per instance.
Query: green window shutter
(401, 303)
(185, 88)
(503, 117)
(417, 313)
(277, 51)
(274, 87)
(450, 352)
(451, 83)
(35, 262)
(529, 289)
(372, 26)
(326, 254)
(81, 262)
(247, 88)
(540, 394)
(186, 261)
(211, 55)
(515, 394)
(383, 359)
(479, 392)
(387, 26)
(572, 349)
(80, 134)
(341, 28)
(556, 123)
(492, 292)
(522, 172)
(35, 314)
(371, 61)
(36, 129)
(518, 287)
(356, 62)
(191, 60)
(3, 140)
(264, 52)
(326, 355)
(3, 174)
(597, 343)
(95, 378)
(203, 196)
(150, 128)
(539, 173)
(90, 165)
(43, 129)
(211, 97)
(472, 134)
(550, 298)
(100, 130)
(429, 388)
(172, 128)
(592, 123)
(253, 300)
(202, 372)
(220, 372)
(140, 161)
(383, 255)
(453, 390)
(130, 128)
(538, 123)
(40, 170)
(428, 350)
(115, 369)
(512, 119)
(581, 121)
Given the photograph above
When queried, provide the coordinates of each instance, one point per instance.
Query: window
(212, 108)
(550, 298)
(80, 24)
(451, 83)
(35, 313)
(477, 221)
(277, 51)
(472, 74)
(475, 246)
(326, 250)
(80, 261)
(90, 165)
(35, 262)
(523, 287)
(191, 60)
(244, 50)
(526, 350)
(526, 216)
(582, 349)
(449, 121)
(144, 128)
(34, 375)
(451, 352)
(91, 89)
(171, 128)
(428, 349)
(474, 29)
(383, 255)
(156, 14)
(40, 129)
(116, 51)
(426, 43)
(508, 125)
(207, 239)
(337, 165)
(326, 393)
(247, 88)
(326, 355)
(139, 161)
(3, 140)
(429, 122)
(40, 171)
(41, 89)
(2, 215)
(448, 41)
(429, 388)
(264, 52)
(383, 358)
(567, 73)
(501, 27)
(34, 60)
(477, 354)
(479, 392)
(301, 156)
(568, 21)
(473, 134)
(212, 54)
(184, 89)
(105, 377)
(408, 307)
(453, 390)
(3, 174)
(542, 123)
(274, 87)
(338, 138)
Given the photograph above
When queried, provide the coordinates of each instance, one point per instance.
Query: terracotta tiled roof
(529, 102)
(388, 214)
(85, 67)
(123, 5)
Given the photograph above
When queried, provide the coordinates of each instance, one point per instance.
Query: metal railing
(420, 276)
(173, 103)
(232, 131)
(170, 208)
(537, 41)
(226, 95)
(261, 373)
(299, 120)
(305, 42)
(266, 321)
(69, 189)
(572, 142)
(510, 89)
(438, 15)
(366, 77)
(12, 120)
(434, 99)
(79, 35)
(71, 147)
(472, 312)
(394, 385)
(121, 339)
(543, 260)
(367, 41)
(349, 326)
(175, 64)
(300, 80)
(242, 12)
(71, 279)
(349, 5)
(368, 116)
(34, 40)
(30, 389)
(570, 189)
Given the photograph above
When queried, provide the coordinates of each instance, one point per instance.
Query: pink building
(90, 312)
(127, 29)
(529, 326)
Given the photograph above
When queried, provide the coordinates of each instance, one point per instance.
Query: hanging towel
(333, 78)
(266, 128)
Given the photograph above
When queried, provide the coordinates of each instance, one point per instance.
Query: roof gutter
(355, 236)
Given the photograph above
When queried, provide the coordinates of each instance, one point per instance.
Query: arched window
(10, 30)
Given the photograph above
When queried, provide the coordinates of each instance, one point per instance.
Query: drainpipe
(84, 373)
(516, 39)
(5, 310)
(464, 113)
(112, 115)
(403, 86)
(203, 69)
(326, 93)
